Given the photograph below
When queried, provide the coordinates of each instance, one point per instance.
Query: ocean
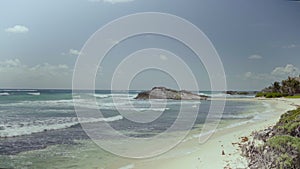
(40, 128)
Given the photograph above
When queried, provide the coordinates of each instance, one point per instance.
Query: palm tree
(276, 87)
(290, 86)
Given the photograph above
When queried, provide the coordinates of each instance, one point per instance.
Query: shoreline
(220, 151)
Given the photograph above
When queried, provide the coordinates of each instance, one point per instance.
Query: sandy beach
(219, 151)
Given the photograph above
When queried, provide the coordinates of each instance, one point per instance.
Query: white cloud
(71, 52)
(255, 57)
(74, 52)
(248, 74)
(112, 1)
(15, 74)
(17, 29)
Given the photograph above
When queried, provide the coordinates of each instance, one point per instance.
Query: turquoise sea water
(40, 128)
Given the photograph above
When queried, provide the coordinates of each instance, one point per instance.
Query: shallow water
(47, 133)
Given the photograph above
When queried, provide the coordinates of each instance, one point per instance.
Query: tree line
(288, 87)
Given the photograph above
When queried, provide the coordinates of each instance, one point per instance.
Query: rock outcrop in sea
(165, 93)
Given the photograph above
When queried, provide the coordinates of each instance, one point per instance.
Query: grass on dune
(293, 97)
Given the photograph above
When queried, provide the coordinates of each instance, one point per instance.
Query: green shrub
(281, 143)
(294, 97)
(273, 95)
(284, 161)
(289, 122)
(281, 148)
(260, 94)
(285, 146)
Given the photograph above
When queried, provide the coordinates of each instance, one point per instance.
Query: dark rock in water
(165, 93)
(241, 92)
(2, 128)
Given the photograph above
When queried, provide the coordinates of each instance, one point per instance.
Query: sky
(258, 41)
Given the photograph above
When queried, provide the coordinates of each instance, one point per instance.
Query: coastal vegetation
(277, 146)
(286, 88)
(271, 94)
(294, 97)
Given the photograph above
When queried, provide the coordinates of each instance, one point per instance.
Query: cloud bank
(278, 73)
(259, 81)
(15, 74)
(288, 70)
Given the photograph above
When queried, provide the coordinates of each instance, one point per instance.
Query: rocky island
(165, 93)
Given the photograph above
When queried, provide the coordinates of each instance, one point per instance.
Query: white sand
(209, 155)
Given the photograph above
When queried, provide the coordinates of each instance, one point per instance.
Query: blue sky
(258, 41)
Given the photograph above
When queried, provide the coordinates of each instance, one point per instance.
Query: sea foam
(4, 94)
(36, 126)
